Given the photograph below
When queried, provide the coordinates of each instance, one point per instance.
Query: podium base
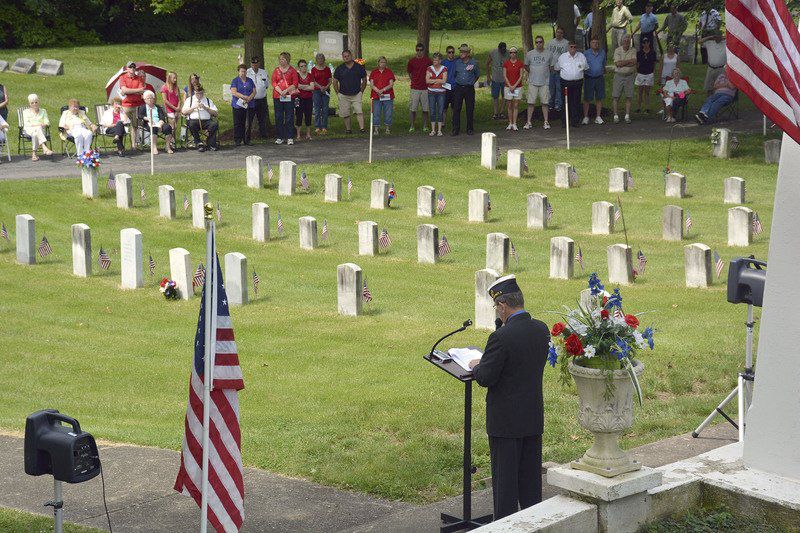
(454, 523)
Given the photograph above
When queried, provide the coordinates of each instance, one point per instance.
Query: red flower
(632, 321)
(573, 345)
(164, 282)
(604, 314)
(605, 300)
(557, 329)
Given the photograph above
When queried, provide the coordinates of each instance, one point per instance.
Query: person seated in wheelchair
(152, 115)
(114, 120)
(76, 126)
(201, 114)
(724, 92)
(675, 95)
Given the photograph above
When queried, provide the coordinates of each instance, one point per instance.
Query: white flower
(618, 320)
(589, 351)
(596, 314)
(640, 341)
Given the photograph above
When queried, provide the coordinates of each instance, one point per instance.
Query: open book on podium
(455, 361)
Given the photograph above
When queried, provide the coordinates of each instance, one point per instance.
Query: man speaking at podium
(511, 367)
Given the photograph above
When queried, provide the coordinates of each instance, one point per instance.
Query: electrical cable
(105, 503)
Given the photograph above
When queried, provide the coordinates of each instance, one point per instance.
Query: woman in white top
(669, 62)
(77, 125)
(675, 94)
(34, 122)
(436, 78)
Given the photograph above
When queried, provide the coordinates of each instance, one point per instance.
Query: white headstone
(124, 188)
(620, 264)
(697, 265)
(537, 211)
(166, 201)
(308, 233)
(181, 272)
(740, 226)
(772, 150)
(379, 196)
(566, 177)
(427, 243)
(515, 166)
(349, 286)
(333, 187)
(498, 246)
(618, 180)
(602, 218)
(478, 205)
(23, 65)
(675, 185)
(89, 182)
(287, 181)
(331, 43)
(562, 257)
(26, 240)
(426, 201)
(489, 150)
(484, 304)
(722, 144)
(734, 191)
(255, 171)
(585, 299)
(236, 280)
(261, 222)
(199, 201)
(81, 250)
(51, 67)
(367, 238)
(3, 65)
(131, 248)
(672, 223)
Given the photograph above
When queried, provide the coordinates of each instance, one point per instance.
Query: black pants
(463, 94)
(261, 112)
(240, 119)
(516, 473)
(573, 88)
(166, 129)
(118, 130)
(209, 126)
(302, 111)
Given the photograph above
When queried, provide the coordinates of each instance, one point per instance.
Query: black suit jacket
(511, 367)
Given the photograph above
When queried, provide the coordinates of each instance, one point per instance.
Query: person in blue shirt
(465, 74)
(648, 25)
(243, 91)
(449, 63)
(594, 82)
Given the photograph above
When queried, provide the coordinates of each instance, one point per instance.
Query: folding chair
(102, 136)
(143, 131)
(23, 137)
(67, 139)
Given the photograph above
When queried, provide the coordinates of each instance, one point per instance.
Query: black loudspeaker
(746, 278)
(66, 452)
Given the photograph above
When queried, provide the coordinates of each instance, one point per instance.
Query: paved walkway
(354, 148)
(140, 496)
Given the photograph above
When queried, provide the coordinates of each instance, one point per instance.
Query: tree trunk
(354, 27)
(253, 30)
(566, 18)
(525, 24)
(599, 24)
(424, 24)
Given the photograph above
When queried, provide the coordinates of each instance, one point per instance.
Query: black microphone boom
(467, 323)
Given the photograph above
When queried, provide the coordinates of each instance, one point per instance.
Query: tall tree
(525, 24)
(566, 18)
(354, 27)
(253, 29)
(424, 23)
(599, 23)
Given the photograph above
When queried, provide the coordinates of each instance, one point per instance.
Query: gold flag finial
(209, 211)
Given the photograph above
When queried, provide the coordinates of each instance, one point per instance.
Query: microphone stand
(467, 323)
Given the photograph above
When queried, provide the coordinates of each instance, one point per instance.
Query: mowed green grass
(349, 401)
(88, 68)
(13, 521)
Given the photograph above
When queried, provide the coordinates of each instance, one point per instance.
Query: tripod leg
(715, 412)
(741, 402)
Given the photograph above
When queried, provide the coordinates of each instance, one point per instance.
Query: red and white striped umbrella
(155, 77)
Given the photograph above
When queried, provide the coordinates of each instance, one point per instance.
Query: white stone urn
(89, 182)
(605, 418)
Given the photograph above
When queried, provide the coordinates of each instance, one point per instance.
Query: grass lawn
(13, 521)
(88, 68)
(350, 402)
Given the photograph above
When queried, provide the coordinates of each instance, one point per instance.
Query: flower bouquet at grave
(169, 289)
(89, 159)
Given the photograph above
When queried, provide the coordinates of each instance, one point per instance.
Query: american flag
(219, 213)
(365, 293)
(199, 276)
(280, 225)
(618, 313)
(225, 476)
(112, 182)
(152, 265)
(719, 265)
(642, 262)
(549, 211)
(688, 221)
(514, 253)
(44, 247)
(303, 181)
(185, 203)
(763, 59)
(270, 173)
(617, 214)
(142, 195)
(256, 282)
(579, 257)
(103, 260)
(384, 241)
(349, 186)
(758, 228)
(488, 202)
(441, 204)
(392, 193)
(444, 247)
(4, 232)
(325, 230)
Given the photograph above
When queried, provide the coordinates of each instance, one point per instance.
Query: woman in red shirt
(512, 72)
(322, 93)
(382, 80)
(303, 98)
(284, 85)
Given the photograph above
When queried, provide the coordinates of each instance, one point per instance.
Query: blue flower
(552, 356)
(595, 285)
(621, 350)
(648, 334)
(615, 300)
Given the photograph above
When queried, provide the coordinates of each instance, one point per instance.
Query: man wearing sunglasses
(537, 63)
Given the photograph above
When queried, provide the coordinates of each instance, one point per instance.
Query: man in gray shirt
(557, 46)
(538, 62)
(495, 78)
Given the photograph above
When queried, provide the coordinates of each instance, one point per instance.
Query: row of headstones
(23, 65)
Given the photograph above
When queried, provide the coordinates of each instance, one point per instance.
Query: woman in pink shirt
(172, 99)
(284, 85)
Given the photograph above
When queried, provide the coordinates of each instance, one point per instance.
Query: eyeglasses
(539, 42)
(420, 49)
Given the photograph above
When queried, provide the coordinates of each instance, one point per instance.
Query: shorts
(348, 103)
(644, 80)
(711, 76)
(594, 89)
(418, 99)
(497, 88)
(516, 95)
(542, 92)
(622, 82)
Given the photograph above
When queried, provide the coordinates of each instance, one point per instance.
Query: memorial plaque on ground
(51, 67)
(23, 65)
(3, 66)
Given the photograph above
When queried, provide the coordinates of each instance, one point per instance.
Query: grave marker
(697, 265)
(498, 246)
(618, 180)
(566, 176)
(287, 180)
(166, 201)
(602, 218)
(51, 67)
(349, 285)
(489, 150)
(199, 201)
(426, 201)
(484, 304)
(734, 191)
(367, 238)
(89, 182)
(620, 264)
(675, 185)
(515, 166)
(23, 65)
(181, 272)
(672, 223)
(131, 248)
(308, 233)
(255, 171)
(427, 243)
(772, 151)
(562, 257)
(379, 194)
(537, 211)
(236, 278)
(81, 250)
(333, 188)
(124, 189)
(740, 226)
(478, 205)
(721, 146)
(26, 240)
(260, 222)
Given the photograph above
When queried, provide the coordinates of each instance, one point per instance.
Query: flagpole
(152, 156)
(566, 113)
(371, 129)
(210, 301)
(622, 214)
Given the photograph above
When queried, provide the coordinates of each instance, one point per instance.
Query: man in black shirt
(511, 367)
(646, 65)
(349, 81)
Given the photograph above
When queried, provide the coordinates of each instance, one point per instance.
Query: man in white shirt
(570, 66)
(201, 114)
(261, 80)
(716, 53)
(538, 62)
(708, 25)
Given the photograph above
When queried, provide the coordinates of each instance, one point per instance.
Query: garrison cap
(504, 285)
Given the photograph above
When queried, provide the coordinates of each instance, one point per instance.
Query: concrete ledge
(555, 515)
(603, 488)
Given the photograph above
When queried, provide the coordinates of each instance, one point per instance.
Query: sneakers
(509, 127)
(514, 127)
(585, 121)
(432, 133)
(599, 120)
(546, 125)
(290, 142)
(425, 129)
(317, 130)
(527, 126)
(412, 129)
(439, 134)
(627, 119)
(375, 130)
(387, 131)
(278, 141)
(670, 119)
(494, 117)
(616, 119)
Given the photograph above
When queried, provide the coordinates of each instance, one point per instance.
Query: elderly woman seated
(76, 125)
(114, 121)
(675, 94)
(152, 118)
(34, 122)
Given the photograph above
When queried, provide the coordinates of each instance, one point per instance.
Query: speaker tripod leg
(58, 504)
(717, 411)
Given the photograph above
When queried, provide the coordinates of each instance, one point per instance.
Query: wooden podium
(454, 523)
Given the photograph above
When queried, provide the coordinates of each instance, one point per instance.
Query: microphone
(467, 323)
(497, 323)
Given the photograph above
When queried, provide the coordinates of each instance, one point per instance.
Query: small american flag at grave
(44, 247)
(104, 260)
